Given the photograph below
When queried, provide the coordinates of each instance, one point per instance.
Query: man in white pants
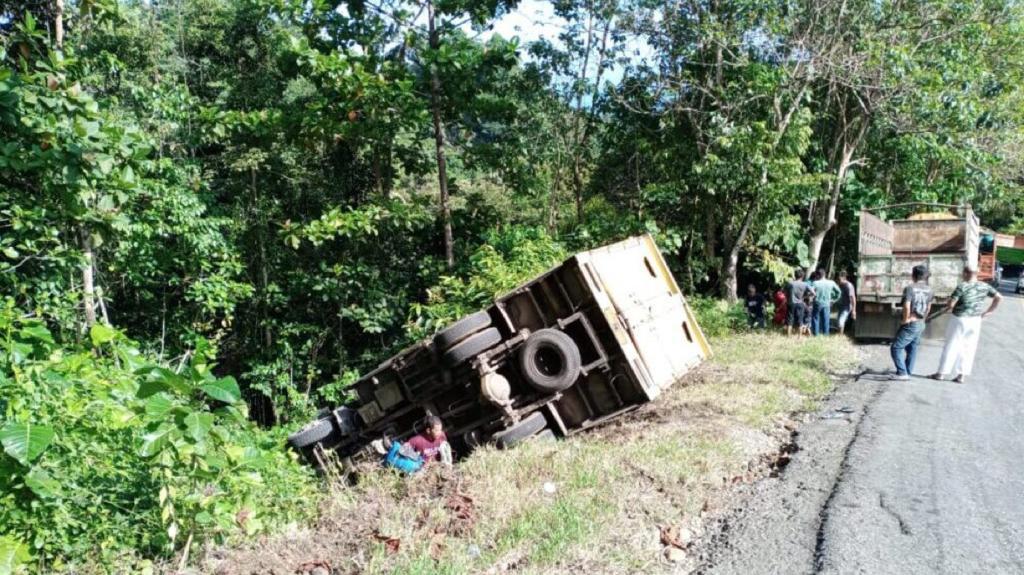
(966, 303)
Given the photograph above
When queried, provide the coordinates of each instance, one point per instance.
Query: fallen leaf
(437, 546)
(314, 568)
(392, 544)
(670, 537)
(242, 517)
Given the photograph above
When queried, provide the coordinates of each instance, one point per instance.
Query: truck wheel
(546, 435)
(523, 430)
(460, 330)
(550, 361)
(472, 346)
(311, 434)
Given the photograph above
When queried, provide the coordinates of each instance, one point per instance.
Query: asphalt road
(898, 477)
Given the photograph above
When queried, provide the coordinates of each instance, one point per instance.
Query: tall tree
(736, 92)
(578, 60)
(882, 65)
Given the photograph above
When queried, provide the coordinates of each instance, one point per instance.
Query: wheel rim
(548, 361)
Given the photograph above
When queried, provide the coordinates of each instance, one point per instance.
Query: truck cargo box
(585, 342)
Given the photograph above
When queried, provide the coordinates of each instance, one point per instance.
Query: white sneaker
(899, 377)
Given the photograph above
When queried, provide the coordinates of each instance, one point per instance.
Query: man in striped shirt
(967, 303)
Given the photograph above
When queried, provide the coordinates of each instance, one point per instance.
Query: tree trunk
(582, 134)
(730, 279)
(577, 187)
(442, 167)
(553, 199)
(823, 217)
(691, 286)
(730, 270)
(58, 24)
(378, 176)
(261, 241)
(84, 237)
(88, 280)
(817, 239)
(845, 144)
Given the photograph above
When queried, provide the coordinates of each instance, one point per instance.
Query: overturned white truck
(587, 341)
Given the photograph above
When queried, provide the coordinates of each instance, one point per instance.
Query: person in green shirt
(967, 303)
(825, 292)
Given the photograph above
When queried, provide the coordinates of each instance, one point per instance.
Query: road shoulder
(776, 524)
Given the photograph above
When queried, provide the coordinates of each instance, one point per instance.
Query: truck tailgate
(883, 278)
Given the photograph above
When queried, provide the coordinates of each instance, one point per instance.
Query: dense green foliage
(114, 454)
(261, 177)
(718, 317)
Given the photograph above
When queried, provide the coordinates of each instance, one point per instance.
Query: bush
(108, 456)
(717, 318)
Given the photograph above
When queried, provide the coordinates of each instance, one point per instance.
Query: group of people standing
(804, 305)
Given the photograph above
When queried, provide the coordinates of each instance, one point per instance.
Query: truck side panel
(876, 235)
(927, 236)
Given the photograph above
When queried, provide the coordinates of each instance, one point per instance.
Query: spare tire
(546, 435)
(472, 346)
(550, 361)
(461, 329)
(313, 433)
(523, 430)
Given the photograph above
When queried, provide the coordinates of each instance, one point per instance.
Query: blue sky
(533, 20)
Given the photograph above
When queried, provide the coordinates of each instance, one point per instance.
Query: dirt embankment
(632, 496)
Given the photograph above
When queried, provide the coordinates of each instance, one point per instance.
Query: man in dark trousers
(916, 303)
(795, 291)
(755, 307)
(847, 301)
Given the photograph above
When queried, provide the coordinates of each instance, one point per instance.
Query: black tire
(472, 346)
(460, 330)
(523, 430)
(550, 361)
(314, 433)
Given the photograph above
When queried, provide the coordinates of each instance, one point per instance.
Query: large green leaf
(36, 331)
(198, 425)
(224, 389)
(157, 379)
(41, 483)
(25, 441)
(155, 441)
(13, 554)
(157, 406)
(101, 334)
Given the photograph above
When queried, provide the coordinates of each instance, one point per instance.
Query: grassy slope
(615, 488)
